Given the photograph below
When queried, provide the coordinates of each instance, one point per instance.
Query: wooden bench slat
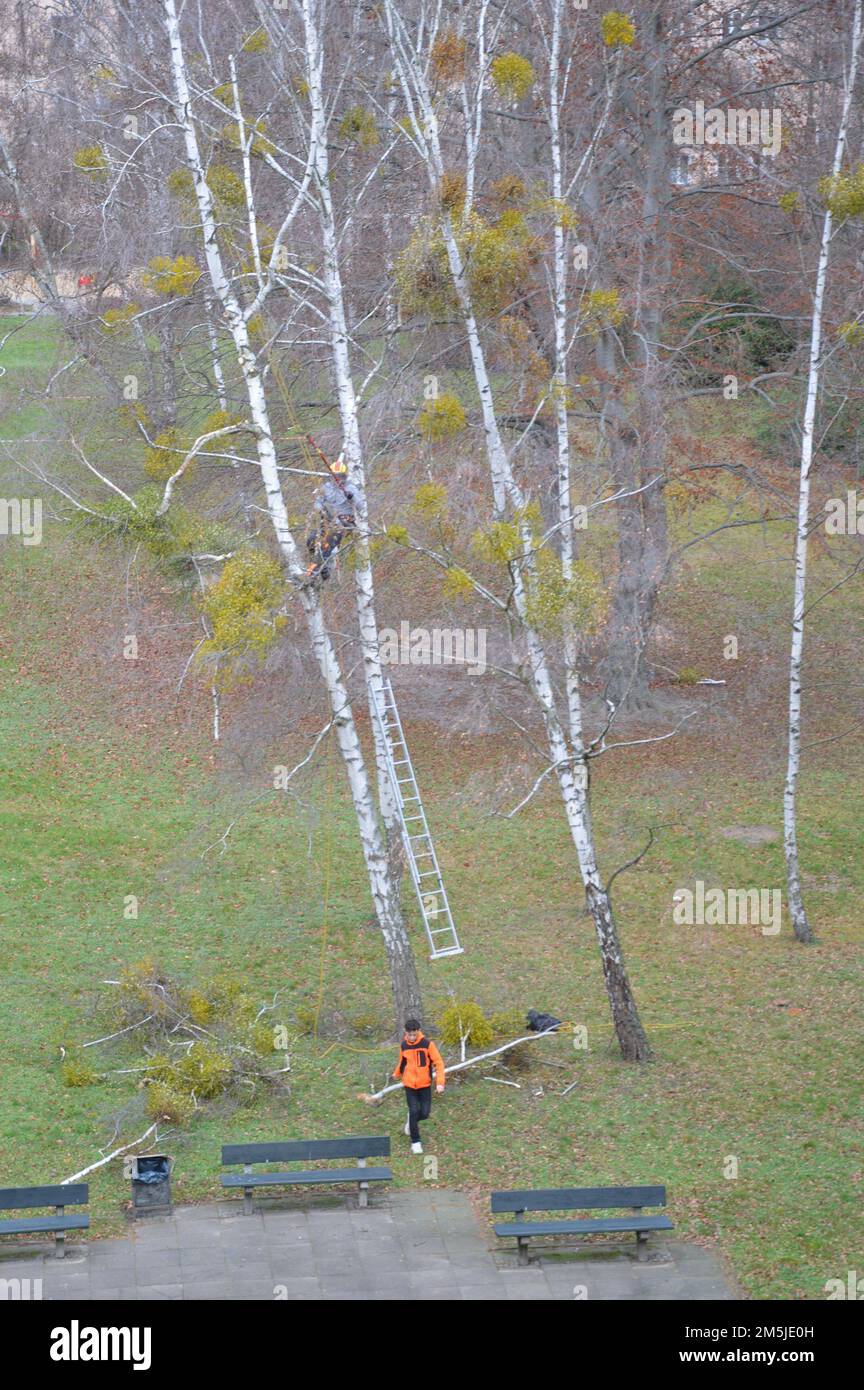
(318, 1175)
(23, 1198)
(306, 1150)
(24, 1224)
(592, 1226)
(575, 1198)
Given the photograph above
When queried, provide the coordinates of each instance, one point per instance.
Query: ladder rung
(430, 873)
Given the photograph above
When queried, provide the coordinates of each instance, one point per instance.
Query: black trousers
(419, 1106)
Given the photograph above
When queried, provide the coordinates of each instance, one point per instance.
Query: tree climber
(334, 508)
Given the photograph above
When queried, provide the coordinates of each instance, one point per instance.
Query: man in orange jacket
(414, 1069)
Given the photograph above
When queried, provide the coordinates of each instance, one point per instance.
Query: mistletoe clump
(497, 258)
(243, 607)
(618, 29)
(188, 1047)
(174, 278)
(441, 418)
(91, 160)
(448, 57)
(359, 127)
(843, 193)
(512, 75)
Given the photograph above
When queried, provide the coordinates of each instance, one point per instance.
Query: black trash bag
(152, 1170)
(541, 1023)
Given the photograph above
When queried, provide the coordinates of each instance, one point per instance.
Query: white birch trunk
(402, 970)
(797, 911)
(507, 494)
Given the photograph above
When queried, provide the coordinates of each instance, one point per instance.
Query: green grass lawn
(755, 1036)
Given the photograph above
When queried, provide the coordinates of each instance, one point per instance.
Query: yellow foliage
(243, 609)
(497, 259)
(256, 42)
(430, 501)
(602, 309)
(165, 455)
(618, 29)
(441, 418)
(226, 187)
(512, 75)
(358, 125)
(119, 320)
(790, 201)
(843, 195)
(852, 333)
(458, 583)
(557, 605)
(175, 278)
(92, 160)
(499, 545)
(460, 1020)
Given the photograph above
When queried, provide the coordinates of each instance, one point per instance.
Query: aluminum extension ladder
(419, 849)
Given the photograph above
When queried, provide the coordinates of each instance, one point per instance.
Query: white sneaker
(407, 1129)
(416, 1148)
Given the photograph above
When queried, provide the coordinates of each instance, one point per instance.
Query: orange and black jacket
(414, 1068)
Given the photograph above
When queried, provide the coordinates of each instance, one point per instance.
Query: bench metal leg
(362, 1187)
(59, 1237)
(641, 1246)
(522, 1248)
(247, 1193)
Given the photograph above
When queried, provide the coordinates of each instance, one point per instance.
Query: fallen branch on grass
(460, 1066)
(102, 1161)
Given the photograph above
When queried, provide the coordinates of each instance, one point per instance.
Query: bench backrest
(24, 1198)
(304, 1150)
(579, 1198)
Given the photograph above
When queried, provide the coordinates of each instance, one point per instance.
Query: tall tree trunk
(801, 925)
(509, 500)
(403, 975)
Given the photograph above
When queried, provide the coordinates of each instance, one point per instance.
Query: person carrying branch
(414, 1069)
(334, 508)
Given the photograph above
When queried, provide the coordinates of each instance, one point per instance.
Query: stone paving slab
(407, 1245)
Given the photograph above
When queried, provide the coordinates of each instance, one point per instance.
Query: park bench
(582, 1199)
(360, 1147)
(32, 1198)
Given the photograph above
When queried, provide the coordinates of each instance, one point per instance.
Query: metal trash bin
(151, 1184)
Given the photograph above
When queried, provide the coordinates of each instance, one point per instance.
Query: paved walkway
(409, 1244)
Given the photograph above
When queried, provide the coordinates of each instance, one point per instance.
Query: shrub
(76, 1072)
(168, 1104)
(463, 1022)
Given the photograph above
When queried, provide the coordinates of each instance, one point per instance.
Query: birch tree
(384, 887)
(833, 199)
(413, 48)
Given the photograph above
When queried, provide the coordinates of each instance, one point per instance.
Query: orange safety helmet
(340, 467)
